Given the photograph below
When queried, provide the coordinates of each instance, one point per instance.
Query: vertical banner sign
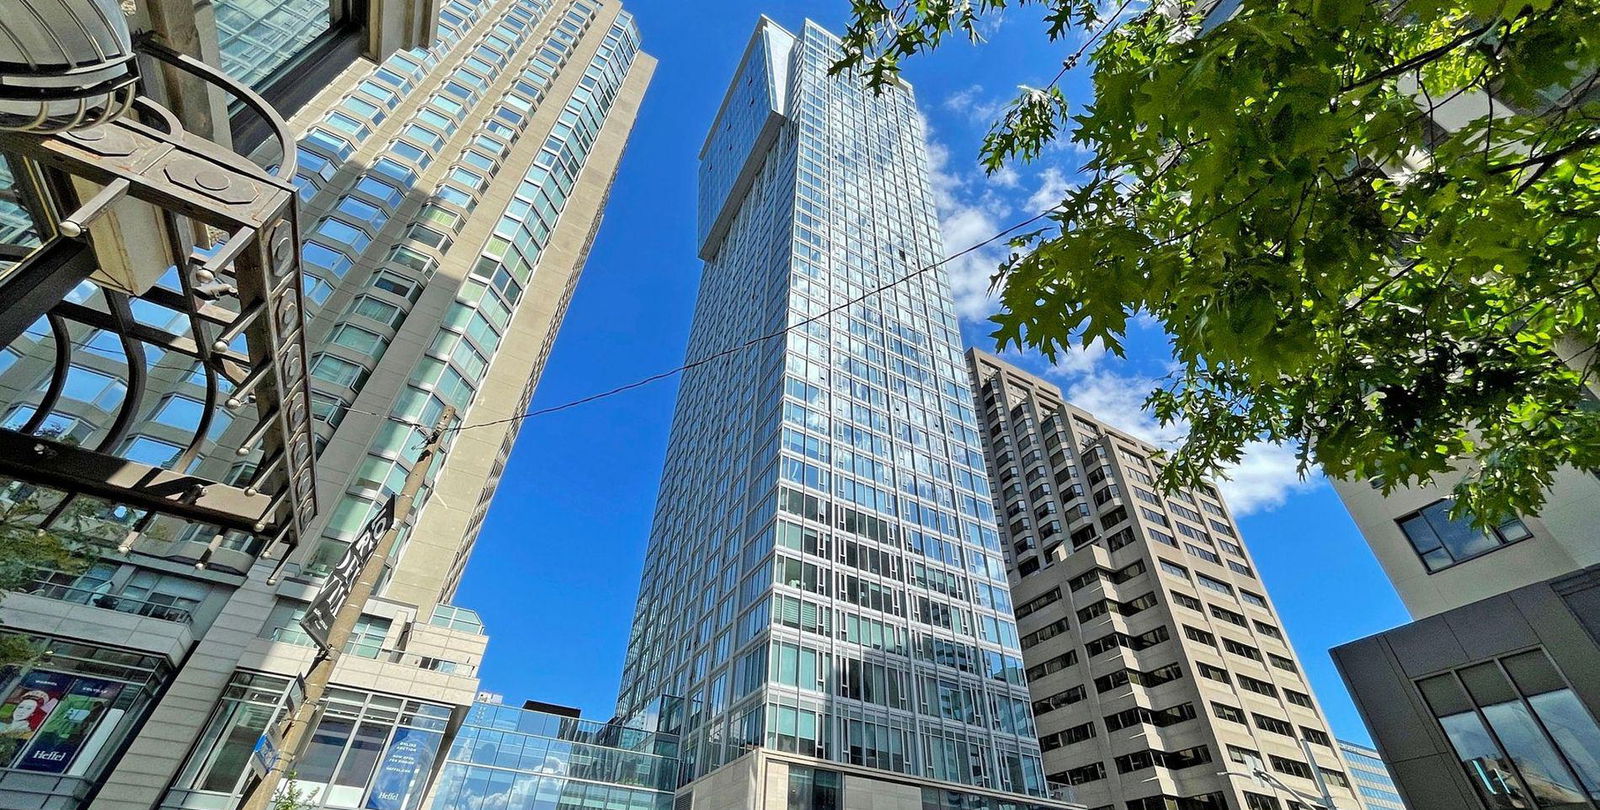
(318, 621)
(74, 718)
(403, 773)
(25, 709)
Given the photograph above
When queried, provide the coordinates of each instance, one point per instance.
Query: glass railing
(293, 634)
(527, 721)
(107, 601)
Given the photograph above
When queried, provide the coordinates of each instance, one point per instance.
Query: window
(1092, 772)
(1299, 698)
(315, 288)
(381, 311)
(249, 703)
(1258, 686)
(1292, 767)
(1229, 713)
(326, 258)
(1442, 541)
(1076, 734)
(1214, 584)
(325, 408)
(1273, 725)
(1229, 616)
(1048, 597)
(361, 340)
(1060, 699)
(814, 789)
(1252, 598)
(344, 233)
(338, 371)
(180, 412)
(1256, 801)
(92, 387)
(1173, 569)
(380, 190)
(153, 452)
(1243, 650)
(1315, 736)
(1544, 743)
(1160, 718)
(393, 284)
(1282, 663)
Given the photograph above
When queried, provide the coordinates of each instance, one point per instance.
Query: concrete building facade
(447, 198)
(1160, 673)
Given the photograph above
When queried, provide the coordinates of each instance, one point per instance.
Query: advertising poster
(75, 717)
(403, 774)
(31, 701)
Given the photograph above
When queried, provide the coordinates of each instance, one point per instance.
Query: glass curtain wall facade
(1155, 657)
(506, 758)
(1371, 777)
(823, 575)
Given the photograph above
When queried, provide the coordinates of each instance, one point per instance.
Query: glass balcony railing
(363, 649)
(108, 601)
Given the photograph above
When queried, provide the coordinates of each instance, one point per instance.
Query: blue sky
(556, 569)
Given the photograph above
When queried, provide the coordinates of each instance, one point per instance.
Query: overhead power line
(755, 341)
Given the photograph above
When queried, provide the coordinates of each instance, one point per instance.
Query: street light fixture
(1262, 775)
(65, 65)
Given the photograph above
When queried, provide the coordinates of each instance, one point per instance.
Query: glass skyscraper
(824, 575)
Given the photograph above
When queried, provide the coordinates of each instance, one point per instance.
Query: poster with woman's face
(56, 743)
(25, 710)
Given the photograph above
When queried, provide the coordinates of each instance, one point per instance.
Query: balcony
(45, 589)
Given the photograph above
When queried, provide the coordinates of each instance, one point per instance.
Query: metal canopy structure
(157, 217)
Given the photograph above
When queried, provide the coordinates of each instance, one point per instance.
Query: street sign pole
(344, 599)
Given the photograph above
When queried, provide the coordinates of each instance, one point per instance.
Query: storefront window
(367, 751)
(68, 713)
(251, 702)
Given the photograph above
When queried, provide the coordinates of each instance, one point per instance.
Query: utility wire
(644, 381)
(639, 383)
(858, 299)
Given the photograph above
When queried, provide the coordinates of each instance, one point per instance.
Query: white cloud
(1263, 479)
(1052, 190)
(1078, 359)
(965, 220)
(975, 105)
(1006, 177)
(971, 273)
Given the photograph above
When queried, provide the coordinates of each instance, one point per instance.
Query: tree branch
(1420, 59)
(1577, 145)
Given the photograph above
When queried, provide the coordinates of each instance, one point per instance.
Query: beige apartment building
(450, 166)
(1161, 675)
